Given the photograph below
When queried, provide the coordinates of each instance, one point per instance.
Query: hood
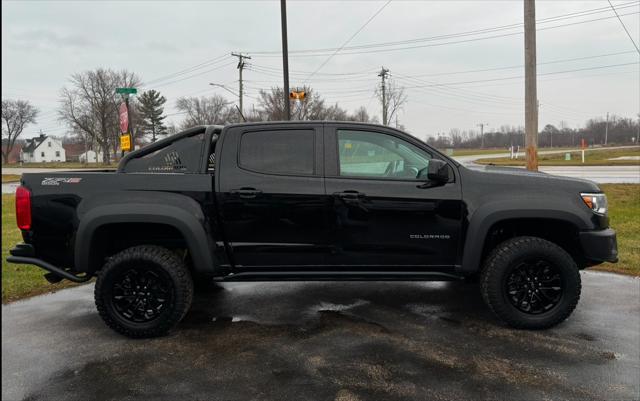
(513, 178)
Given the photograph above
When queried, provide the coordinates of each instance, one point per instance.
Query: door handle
(246, 193)
(350, 194)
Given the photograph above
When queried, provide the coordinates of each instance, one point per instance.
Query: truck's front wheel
(530, 283)
(143, 291)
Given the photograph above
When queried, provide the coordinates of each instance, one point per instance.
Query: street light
(225, 88)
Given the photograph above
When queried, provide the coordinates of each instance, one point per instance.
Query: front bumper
(599, 246)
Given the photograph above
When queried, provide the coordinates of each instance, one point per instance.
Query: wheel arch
(543, 223)
(187, 219)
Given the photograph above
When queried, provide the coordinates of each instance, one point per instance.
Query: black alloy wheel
(534, 287)
(141, 294)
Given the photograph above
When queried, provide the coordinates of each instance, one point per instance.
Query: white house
(43, 148)
(90, 157)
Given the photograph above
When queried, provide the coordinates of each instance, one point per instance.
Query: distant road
(599, 174)
(470, 159)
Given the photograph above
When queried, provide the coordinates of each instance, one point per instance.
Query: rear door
(271, 195)
(382, 216)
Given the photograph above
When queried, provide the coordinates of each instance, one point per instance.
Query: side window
(181, 156)
(279, 152)
(376, 155)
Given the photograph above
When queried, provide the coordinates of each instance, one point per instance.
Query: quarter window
(279, 152)
(376, 155)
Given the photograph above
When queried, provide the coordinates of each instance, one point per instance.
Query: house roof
(73, 149)
(33, 143)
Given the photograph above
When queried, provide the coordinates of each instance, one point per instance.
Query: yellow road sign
(125, 142)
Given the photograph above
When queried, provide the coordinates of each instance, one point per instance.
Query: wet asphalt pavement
(328, 341)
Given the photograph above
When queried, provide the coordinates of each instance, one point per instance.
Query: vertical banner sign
(124, 118)
(125, 138)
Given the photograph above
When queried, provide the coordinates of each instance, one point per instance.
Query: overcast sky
(587, 64)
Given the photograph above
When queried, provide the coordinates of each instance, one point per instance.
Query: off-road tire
(505, 257)
(171, 269)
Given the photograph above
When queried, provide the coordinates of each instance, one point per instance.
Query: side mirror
(437, 171)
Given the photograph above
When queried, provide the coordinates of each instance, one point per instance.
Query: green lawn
(10, 177)
(592, 158)
(19, 281)
(624, 214)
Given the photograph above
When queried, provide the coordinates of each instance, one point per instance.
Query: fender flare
(489, 214)
(187, 218)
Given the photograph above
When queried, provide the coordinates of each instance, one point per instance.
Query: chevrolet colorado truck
(309, 201)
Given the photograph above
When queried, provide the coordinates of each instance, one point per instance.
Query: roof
(33, 143)
(73, 149)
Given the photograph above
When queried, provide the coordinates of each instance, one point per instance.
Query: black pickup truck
(309, 201)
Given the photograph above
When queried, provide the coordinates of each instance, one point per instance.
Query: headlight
(595, 202)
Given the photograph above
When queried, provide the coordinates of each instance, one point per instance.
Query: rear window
(279, 152)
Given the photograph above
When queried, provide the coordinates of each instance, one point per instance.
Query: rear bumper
(599, 246)
(25, 254)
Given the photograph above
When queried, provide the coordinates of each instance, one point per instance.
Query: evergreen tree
(150, 111)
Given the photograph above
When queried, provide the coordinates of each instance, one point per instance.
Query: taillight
(23, 208)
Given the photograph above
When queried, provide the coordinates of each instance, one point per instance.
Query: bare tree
(271, 105)
(16, 115)
(204, 110)
(90, 105)
(312, 107)
(393, 100)
(361, 115)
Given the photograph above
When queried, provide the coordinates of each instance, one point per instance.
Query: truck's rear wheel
(530, 283)
(143, 291)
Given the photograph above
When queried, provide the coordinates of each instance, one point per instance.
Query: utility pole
(481, 125)
(126, 101)
(384, 72)
(285, 58)
(606, 130)
(241, 57)
(530, 86)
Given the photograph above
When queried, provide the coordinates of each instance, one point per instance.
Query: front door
(271, 196)
(382, 215)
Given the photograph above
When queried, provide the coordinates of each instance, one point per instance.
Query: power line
(521, 66)
(349, 40)
(625, 28)
(322, 51)
(191, 76)
(521, 76)
(189, 69)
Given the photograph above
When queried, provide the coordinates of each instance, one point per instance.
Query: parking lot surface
(328, 341)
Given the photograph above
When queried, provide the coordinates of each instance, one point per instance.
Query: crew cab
(309, 201)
